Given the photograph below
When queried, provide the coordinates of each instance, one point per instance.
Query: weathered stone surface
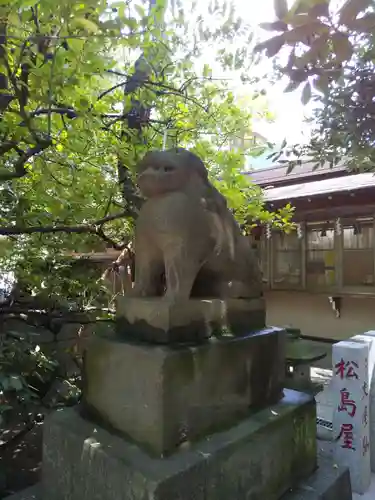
(258, 459)
(187, 241)
(161, 396)
(160, 321)
(328, 482)
(32, 493)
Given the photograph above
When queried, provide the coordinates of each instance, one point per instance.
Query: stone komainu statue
(187, 242)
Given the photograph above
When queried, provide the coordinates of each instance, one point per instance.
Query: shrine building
(320, 278)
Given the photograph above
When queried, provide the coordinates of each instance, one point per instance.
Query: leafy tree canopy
(328, 49)
(86, 89)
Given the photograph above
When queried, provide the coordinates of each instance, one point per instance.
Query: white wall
(313, 314)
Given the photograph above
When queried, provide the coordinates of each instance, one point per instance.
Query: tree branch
(95, 227)
(166, 89)
(114, 87)
(99, 232)
(69, 112)
(7, 146)
(19, 169)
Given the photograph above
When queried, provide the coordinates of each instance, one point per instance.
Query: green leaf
(320, 9)
(4, 408)
(281, 8)
(76, 45)
(290, 167)
(86, 24)
(300, 20)
(26, 3)
(15, 383)
(299, 7)
(131, 22)
(304, 32)
(306, 93)
(342, 47)
(292, 86)
(207, 72)
(140, 10)
(111, 25)
(321, 83)
(365, 24)
(275, 26)
(351, 8)
(271, 46)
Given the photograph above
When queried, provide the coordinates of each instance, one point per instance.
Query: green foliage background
(327, 49)
(64, 134)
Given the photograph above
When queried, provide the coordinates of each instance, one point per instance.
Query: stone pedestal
(258, 459)
(328, 482)
(164, 396)
(158, 320)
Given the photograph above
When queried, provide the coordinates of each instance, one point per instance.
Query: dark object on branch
(138, 116)
(5, 96)
(142, 71)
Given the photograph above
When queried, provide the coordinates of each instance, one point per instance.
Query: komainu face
(162, 172)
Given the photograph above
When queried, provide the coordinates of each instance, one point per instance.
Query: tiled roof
(322, 187)
(278, 173)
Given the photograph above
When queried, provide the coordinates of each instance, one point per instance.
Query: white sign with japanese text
(350, 386)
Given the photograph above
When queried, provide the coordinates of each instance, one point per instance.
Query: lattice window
(358, 253)
(287, 260)
(321, 258)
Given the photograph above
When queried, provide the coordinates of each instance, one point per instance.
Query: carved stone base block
(163, 396)
(160, 321)
(258, 459)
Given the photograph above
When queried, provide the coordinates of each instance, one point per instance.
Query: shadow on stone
(162, 396)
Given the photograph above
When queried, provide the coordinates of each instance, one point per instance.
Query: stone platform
(163, 396)
(258, 459)
(160, 321)
(326, 483)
